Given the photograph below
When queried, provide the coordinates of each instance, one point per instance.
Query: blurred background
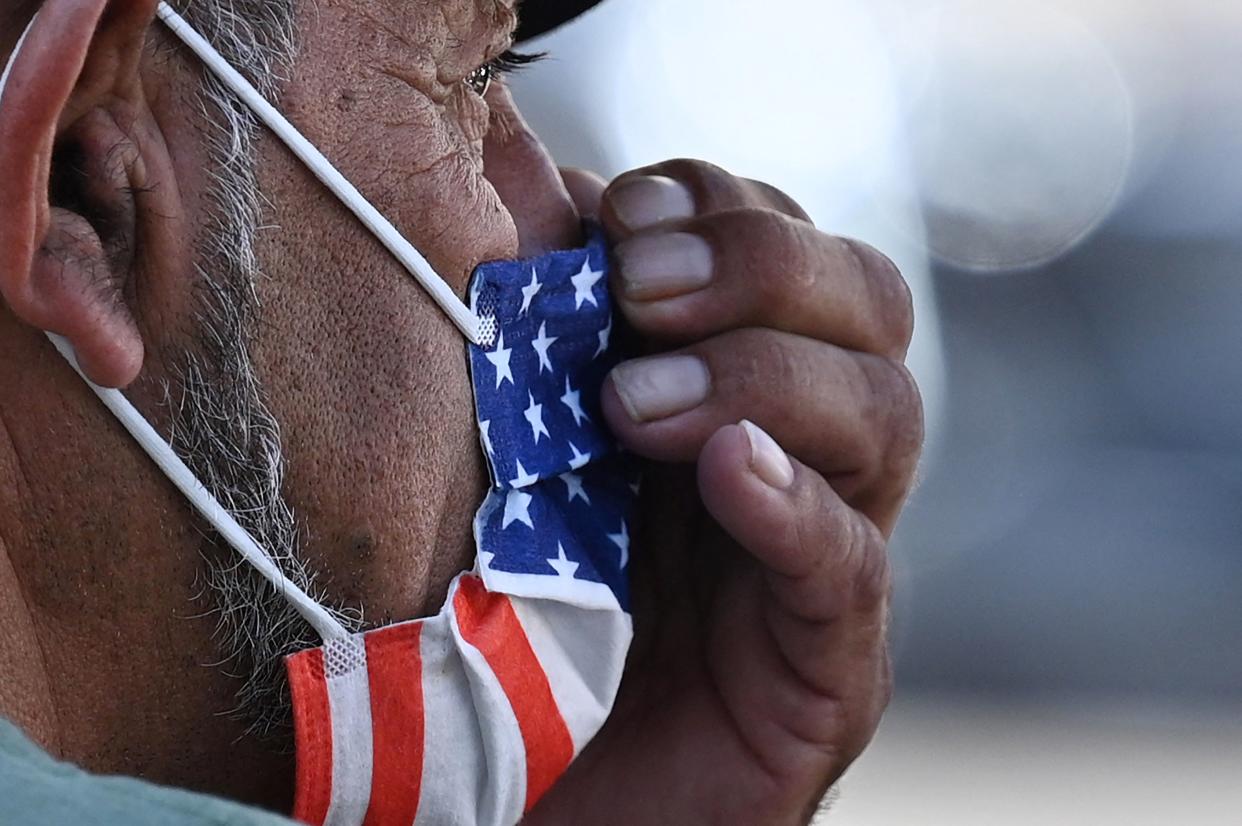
(1061, 182)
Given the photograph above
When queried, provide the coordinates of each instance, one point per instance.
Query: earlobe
(67, 179)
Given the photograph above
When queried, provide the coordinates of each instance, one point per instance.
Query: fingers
(856, 418)
(585, 188)
(681, 189)
(761, 268)
(796, 329)
(792, 522)
(826, 568)
(700, 251)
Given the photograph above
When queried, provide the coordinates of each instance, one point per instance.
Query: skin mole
(362, 548)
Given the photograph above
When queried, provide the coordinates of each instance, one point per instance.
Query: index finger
(681, 189)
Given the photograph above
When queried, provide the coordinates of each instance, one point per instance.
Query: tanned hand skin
(760, 666)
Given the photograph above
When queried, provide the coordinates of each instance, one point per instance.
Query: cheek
(366, 375)
(369, 381)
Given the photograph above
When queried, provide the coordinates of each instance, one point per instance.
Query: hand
(760, 668)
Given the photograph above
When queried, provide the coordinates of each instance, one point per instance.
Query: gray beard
(221, 425)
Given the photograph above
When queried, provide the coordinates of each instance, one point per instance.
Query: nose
(529, 184)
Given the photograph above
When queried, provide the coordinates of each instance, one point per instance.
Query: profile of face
(302, 374)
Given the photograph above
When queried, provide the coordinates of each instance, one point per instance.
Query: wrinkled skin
(750, 689)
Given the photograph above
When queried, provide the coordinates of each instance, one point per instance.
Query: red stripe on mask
(489, 623)
(312, 724)
(394, 667)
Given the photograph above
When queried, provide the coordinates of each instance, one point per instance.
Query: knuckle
(847, 547)
(890, 295)
(896, 406)
(771, 250)
(856, 551)
(851, 556)
(905, 421)
(759, 363)
(710, 184)
(787, 257)
(838, 540)
(808, 540)
(774, 365)
(691, 168)
(778, 199)
(870, 567)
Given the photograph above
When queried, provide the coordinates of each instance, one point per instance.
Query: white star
(534, 415)
(541, 346)
(485, 430)
(604, 335)
(572, 400)
(561, 564)
(578, 460)
(574, 482)
(500, 357)
(622, 541)
(584, 282)
(529, 291)
(524, 479)
(517, 509)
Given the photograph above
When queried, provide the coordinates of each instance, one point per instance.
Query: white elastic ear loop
(323, 169)
(8, 67)
(162, 454)
(154, 445)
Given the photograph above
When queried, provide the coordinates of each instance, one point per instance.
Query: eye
(480, 80)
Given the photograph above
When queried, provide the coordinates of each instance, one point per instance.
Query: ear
(69, 174)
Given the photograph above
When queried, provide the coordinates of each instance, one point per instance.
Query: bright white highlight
(1020, 128)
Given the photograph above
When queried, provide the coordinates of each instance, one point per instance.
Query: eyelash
(481, 78)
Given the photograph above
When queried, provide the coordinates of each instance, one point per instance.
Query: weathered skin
(101, 655)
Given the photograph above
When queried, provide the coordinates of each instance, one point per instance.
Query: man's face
(365, 375)
(301, 344)
(243, 302)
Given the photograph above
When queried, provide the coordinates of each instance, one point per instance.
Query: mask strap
(162, 454)
(8, 67)
(154, 445)
(323, 169)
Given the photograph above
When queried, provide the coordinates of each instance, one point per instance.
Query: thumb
(586, 188)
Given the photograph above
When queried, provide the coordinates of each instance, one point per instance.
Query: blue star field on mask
(556, 523)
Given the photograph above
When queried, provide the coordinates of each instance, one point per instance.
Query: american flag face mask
(469, 716)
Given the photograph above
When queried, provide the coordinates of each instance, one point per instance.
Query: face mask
(469, 716)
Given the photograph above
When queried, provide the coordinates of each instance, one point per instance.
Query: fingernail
(664, 265)
(649, 200)
(662, 386)
(767, 460)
